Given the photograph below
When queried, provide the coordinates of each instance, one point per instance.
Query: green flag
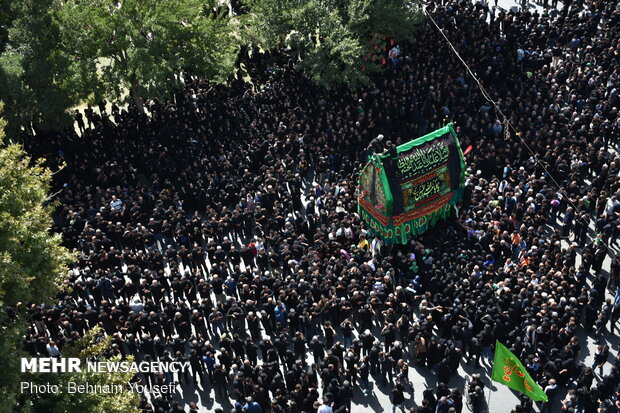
(508, 370)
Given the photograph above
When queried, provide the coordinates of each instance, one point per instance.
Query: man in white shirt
(612, 203)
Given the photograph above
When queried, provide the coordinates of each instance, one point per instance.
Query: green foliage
(56, 54)
(32, 261)
(33, 266)
(111, 47)
(336, 56)
(393, 18)
(28, 67)
(270, 21)
(333, 39)
(18, 98)
(2, 123)
(32, 269)
(6, 19)
(11, 333)
(92, 346)
(96, 402)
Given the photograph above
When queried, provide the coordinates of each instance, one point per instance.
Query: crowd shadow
(190, 393)
(370, 400)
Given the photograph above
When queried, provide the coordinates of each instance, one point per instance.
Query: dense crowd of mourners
(222, 227)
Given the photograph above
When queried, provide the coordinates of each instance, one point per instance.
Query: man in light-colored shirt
(52, 349)
(116, 203)
(325, 408)
(610, 206)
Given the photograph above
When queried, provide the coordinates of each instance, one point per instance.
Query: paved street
(502, 399)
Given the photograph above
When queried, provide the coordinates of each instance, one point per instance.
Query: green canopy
(405, 191)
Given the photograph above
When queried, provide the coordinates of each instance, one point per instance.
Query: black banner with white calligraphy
(424, 173)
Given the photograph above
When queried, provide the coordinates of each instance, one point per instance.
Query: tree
(2, 123)
(17, 96)
(111, 47)
(32, 261)
(28, 67)
(93, 346)
(33, 266)
(333, 39)
(6, 19)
